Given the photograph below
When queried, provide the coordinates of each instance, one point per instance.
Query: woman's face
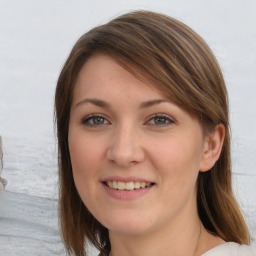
(135, 155)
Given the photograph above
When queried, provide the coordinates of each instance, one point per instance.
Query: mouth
(127, 186)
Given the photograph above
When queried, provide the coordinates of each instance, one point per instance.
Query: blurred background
(36, 38)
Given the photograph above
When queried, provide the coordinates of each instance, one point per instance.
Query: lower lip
(126, 194)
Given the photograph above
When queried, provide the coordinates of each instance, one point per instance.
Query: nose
(126, 147)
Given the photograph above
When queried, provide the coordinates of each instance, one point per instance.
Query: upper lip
(126, 179)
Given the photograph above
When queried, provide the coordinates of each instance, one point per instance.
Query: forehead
(102, 75)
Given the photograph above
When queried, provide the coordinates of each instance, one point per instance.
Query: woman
(144, 147)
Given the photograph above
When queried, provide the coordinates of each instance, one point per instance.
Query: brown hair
(182, 66)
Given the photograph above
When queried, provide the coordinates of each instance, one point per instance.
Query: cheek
(85, 160)
(84, 153)
(177, 161)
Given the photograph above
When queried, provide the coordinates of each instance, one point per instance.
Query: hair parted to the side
(182, 66)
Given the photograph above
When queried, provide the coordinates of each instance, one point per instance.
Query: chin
(127, 224)
(129, 229)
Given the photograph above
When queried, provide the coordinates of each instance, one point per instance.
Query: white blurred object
(1, 187)
(1, 156)
(1, 166)
(3, 182)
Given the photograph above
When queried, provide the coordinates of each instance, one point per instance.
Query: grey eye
(97, 120)
(94, 121)
(160, 120)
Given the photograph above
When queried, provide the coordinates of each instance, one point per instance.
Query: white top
(231, 249)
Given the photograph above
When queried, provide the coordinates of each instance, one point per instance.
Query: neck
(177, 240)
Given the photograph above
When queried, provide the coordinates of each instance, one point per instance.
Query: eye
(160, 120)
(95, 120)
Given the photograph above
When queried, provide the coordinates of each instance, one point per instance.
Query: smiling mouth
(129, 186)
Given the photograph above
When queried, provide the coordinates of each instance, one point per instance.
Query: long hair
(182, 66)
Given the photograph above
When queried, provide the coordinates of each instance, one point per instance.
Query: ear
(212, 148)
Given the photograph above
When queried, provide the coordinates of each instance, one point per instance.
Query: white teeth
(143, 184)
(110, 184)
(115, 185)
(120, 185)
(148, 184)
(131, 185)
(136, 184)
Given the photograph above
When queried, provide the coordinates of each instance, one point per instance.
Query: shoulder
(231, 249)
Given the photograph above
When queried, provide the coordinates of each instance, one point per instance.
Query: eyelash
(161, 116)
(86, 120)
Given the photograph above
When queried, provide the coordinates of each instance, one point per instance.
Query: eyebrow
(99, 103)
(104, 104)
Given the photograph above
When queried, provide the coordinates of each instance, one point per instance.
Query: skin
(129, 141)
